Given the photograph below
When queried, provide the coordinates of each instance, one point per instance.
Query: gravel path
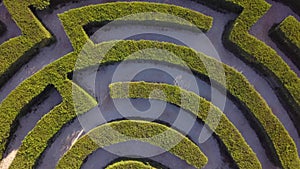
(63, 141)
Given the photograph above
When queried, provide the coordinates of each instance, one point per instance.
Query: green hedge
(262, 57)
(290, 26)
(129, 165)
(17, 51)
(236, 145)
(74, 19)
(132, 130)
(287, 36)
(56, 74)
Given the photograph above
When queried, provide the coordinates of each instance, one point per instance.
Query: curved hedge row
(74, 19)
(54, 74)
(236, 145)
(129, 165)
(287, 36)
(262, 57)
(17, 51)
(149, 132)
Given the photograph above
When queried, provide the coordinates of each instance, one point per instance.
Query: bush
(235, 144)
(17, 51)
(149, 132)
(129, 165)
(287, 37)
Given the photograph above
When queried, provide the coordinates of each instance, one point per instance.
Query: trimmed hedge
(287, 37)
(235, 144)
(132, 130)
(74, 19)
(130, 165)
(56, 74)
(17, 51)
(262, 57)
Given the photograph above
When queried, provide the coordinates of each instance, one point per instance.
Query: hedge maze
(276, 128)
